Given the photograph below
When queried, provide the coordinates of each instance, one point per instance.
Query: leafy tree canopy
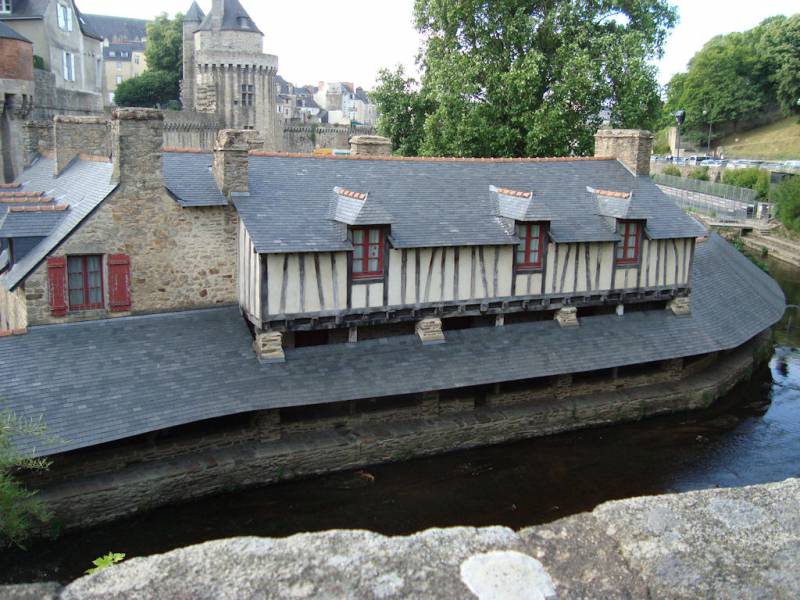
(786, 197)
(151, 89)
(739, 75)
(526, 77)
(164, 50)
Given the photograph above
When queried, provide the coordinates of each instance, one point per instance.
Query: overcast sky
(349, 41)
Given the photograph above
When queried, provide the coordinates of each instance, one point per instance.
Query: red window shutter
(119, 283)
(57, 285)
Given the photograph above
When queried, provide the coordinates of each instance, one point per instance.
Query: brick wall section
(181, 258)
(16, 59)
(632, 147)
(80, 135)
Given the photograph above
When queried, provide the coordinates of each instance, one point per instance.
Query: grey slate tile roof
(7, 33)
(29, 224)
(102, 381)
(83, 185)
(234, 18)
(189, 178)
(443, 203)
(195, 13)
(118, 29)
(353, 210)
(123, 51)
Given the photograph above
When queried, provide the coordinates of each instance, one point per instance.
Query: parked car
(713, 162)
(696, 160)
(792, 164)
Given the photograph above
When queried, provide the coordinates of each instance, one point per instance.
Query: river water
(751, 436)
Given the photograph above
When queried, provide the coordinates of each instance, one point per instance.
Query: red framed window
(628, 248)
(531, 245)
(85, 282)
(367, 253)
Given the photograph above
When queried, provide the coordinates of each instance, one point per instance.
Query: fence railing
(721, 190)
(720, 209)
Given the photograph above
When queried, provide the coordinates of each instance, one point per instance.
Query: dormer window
(628, 247)
(531, 246)
(367, 253)
(5, 6)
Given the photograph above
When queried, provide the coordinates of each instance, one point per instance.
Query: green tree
(150, 89)
(786, 196)
(402, 110)
(19, 507)
(723, 84)
(780, 48)
(532, 78)
(164, 50)
(700, 173)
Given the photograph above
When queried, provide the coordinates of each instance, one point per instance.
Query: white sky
(318, 40)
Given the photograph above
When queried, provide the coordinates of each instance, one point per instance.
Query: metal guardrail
(721, 190)
(720, 209)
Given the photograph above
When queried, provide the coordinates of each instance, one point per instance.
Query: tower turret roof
(195, 13)
(234, 18)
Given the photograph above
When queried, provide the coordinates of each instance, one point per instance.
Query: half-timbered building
(296, 314)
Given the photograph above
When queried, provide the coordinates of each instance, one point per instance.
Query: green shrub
(151, 89)
(751, 177)
(672, 170)
(19, 507)
(38, 62)
(786, 197)
(700, 173)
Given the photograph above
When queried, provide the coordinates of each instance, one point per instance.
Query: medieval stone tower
(226, 73)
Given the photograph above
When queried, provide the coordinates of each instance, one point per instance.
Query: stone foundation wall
(238, 463)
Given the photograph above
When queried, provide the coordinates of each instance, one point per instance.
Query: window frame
(367, 275)
(624, 230)
(527, 241)
(86, 288)
(64, 16)
(5, 7)
(68, 65)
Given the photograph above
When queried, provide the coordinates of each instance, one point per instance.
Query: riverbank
(729, 543)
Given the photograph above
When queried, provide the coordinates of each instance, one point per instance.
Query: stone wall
(75, 136)
(181, 258)
(719, 543)
(52, 100)
(632, 147)
(38, 137)
(188, 129)
(154, 473)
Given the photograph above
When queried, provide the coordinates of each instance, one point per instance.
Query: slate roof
(83, 185)
(355, 208)
(9, 34)
(118, 29)
(119, 48)
(234, 18)
(189, 179)
(147, 379)
(29, 224)
(194, 14)
(443, 202)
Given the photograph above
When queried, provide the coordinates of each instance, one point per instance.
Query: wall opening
(6, 139)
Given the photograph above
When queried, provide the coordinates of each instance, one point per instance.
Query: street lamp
(680, 117)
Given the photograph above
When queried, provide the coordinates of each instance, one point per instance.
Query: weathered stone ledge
(90, 500)
(739, 543)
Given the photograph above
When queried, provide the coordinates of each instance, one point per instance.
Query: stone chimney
(79, 136)
(137, 137)
(230, 165)
(370, 145)
(632, 147)
(217, 12)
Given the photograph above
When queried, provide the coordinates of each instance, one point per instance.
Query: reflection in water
(751, 436)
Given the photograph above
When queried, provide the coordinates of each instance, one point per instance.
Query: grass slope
(777, 141)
